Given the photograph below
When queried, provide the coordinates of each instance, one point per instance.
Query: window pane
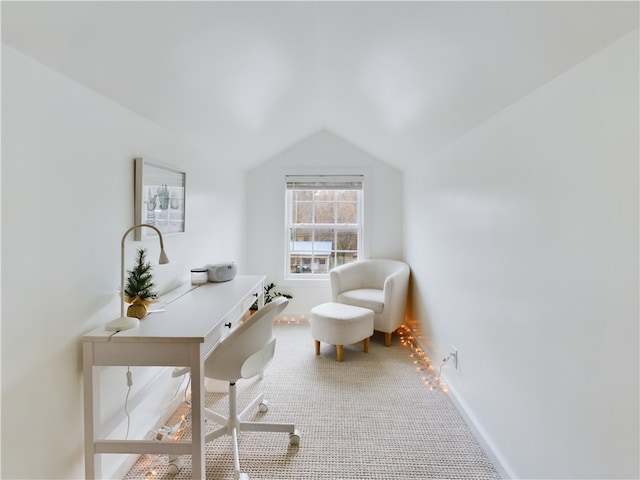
(347, 213)
(346, 195)
(344, 257)
(325, 235)
(347, 240)
(324, 195)
(302, 195)
(301, 212)
(324, 212)
(301, 250)
(299, 265)
(300, 235)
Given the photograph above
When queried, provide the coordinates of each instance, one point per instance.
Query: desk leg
(91, 387)
(197, 419)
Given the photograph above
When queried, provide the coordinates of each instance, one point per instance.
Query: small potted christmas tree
(139, 287)
(269, 295)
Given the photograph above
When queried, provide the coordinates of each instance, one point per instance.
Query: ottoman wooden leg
(366, 345)
(340, 352)
(387, 339)
(317, 347)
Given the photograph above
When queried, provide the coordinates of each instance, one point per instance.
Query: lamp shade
(163, 257)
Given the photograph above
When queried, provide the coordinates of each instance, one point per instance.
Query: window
(324, 223)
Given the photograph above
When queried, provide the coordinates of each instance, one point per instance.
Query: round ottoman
(338, 324)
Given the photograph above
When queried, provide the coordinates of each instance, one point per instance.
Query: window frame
(332, 177)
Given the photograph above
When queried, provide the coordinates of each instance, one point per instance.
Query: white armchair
(380, 285)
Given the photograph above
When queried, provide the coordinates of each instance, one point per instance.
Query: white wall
(67, 198)
(322, 152)
(522, 237)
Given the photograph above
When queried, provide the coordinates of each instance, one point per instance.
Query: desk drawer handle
(228, 325)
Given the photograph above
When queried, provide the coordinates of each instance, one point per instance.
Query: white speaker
(222, 272)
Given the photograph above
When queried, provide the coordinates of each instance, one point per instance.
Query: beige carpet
(369, 417)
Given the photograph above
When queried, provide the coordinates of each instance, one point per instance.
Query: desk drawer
(249, 300)
(230, 321)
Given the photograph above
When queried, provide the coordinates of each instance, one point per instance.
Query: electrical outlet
(454, 354)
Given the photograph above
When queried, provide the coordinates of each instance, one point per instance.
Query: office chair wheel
(264, 406)
(294, 438)
(175, 465)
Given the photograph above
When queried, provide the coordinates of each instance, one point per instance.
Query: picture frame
(159, 197)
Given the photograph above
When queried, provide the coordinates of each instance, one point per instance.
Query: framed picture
(159, 198)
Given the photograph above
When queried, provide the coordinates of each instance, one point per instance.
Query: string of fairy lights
(431, 378)
(294, 320)
(171, 433)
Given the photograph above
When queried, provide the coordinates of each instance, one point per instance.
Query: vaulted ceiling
(246, 80)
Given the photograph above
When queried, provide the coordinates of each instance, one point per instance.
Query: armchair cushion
(370, 298)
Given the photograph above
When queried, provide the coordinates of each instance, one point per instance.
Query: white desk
(183, 335)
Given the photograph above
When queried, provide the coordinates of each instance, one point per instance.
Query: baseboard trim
(498, 461)
(488, 446)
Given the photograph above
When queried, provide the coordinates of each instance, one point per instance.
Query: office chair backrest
(248, 349)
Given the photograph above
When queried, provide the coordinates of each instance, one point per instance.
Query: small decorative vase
(151, 217)
(138, 308)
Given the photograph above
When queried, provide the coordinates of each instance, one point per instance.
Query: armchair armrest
(396, 288)
(343, 278)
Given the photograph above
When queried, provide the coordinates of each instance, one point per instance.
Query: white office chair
(245, 353)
